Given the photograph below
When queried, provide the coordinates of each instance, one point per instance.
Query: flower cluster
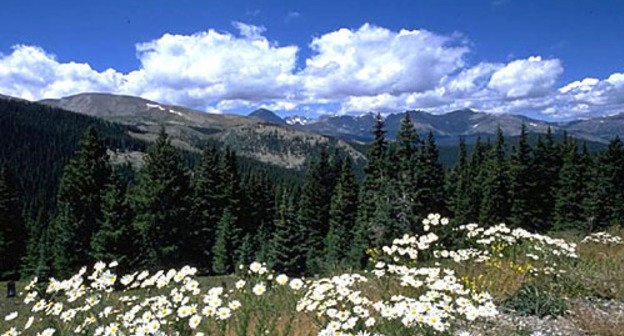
(603, 238)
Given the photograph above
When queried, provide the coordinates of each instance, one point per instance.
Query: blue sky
(500, 56)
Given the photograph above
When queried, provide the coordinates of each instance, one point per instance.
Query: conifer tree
(12, 227)
(113, 241)
(459, 187)
(79, 203)
(372, 191)
(605, 195)
(313, 213)
(38, 258)
(159, 201)
(207, 207)
(407, 144)
(288, 254)
(475, 176)
(430, 179)
(569, 197)
(521, 183)
(342, 216)
(495, 201)
(546, 168)
(222, 251)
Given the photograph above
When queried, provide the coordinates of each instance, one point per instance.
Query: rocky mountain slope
(251, 137)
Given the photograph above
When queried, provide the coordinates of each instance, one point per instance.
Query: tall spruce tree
(342, 216)
(604, 204)
(223, 249)
(12, 227)
(407, 144)
(79, 204)
(429, 179)
(206, 206)
(475, 166)
(546, 168)
(495, 201)
(313, 213)
(568, 212)
(113, 240)
(521, 183)
(459, 187)
(287, 243)
(159, 201)
(38, 259)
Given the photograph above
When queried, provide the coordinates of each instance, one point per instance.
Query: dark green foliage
(458, 188)
(604, 205)
(38, 259)
(429, 196)
(372, 190)
(568, 212)
(533, 300)
(79, 204)
(114, 239)
(546, 165)
(407, 145)
(342, 216)
(495, 185)
(207, 207)
(521, 183)
(12, 227)
(288, 255)
(222, 250)
(159, 201)
(37, 141)
(313, 212)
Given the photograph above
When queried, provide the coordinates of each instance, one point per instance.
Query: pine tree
(605, 195)
(521, 184)
(222, 250)
(546, 168)
(459, 187)
(313, 213)
(288, 254)
(406, 149)
(159, 201)
(207, 207)
(113, 241)
(38, 246)
(79, 204)
(476, 177)
(429, 179)
(372, 192)
(12, 227)
(569, 197)
(342, 216)
(495, 202)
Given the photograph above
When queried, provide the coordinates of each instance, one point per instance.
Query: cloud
(526, 78)
(291, 16)
(369, 68)
(373, 60)
(202, 69)
(31, 73)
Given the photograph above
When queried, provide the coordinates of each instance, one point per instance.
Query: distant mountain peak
(267, 116)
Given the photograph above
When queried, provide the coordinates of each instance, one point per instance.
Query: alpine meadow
(346, 168)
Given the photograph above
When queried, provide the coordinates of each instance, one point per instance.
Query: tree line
(216, 216)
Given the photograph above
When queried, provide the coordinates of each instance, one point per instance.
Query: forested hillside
(216, 214)
(36, 141)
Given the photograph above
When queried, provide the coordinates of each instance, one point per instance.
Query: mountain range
(267, 138)
(450, 126)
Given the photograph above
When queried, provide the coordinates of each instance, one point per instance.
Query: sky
(554, 60)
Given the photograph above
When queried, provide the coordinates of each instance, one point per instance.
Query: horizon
(540, 60)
